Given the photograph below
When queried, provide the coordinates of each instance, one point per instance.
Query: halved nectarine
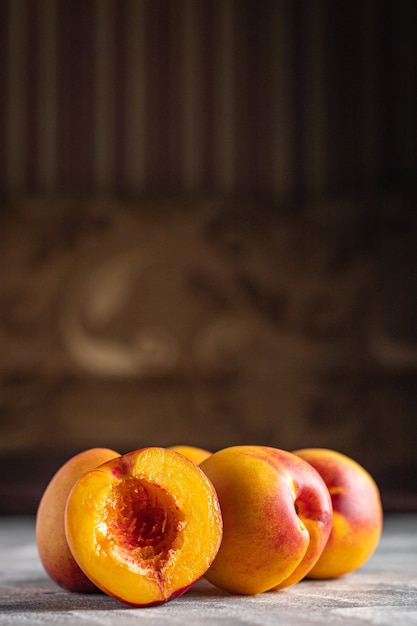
(145, 526)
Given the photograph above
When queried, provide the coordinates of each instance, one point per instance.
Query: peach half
(52, 545)
(195, 454)
(145, 526)
(357, 512)
(277, 516)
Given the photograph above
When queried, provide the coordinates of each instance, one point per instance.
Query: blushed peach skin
(145, 526)
(357, 512)
(195, 454)
(277, 516)
(51, 541)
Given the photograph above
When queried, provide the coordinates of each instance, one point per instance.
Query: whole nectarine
(145, 526)
(52, 545)
(277, 516)
(194, 453)
(357, 512)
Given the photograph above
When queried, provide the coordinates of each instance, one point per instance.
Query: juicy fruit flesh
(143, 521)
(144, 526)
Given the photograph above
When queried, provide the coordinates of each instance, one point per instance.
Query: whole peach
(357, 512)
(195, 454)
(51, 541)
(277, 516)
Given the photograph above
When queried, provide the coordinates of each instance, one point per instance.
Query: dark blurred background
(207, 231)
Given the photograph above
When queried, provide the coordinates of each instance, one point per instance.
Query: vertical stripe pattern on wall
(46, 97)
(191, 97)
(282, 104)
(285, 97)
(131, 128)
(16, 111)
(104, 93)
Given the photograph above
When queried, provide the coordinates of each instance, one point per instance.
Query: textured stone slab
(382, 593)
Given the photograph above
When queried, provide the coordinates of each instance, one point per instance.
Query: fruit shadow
(36, 596)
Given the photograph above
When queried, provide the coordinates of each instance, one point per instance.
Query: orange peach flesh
(145, 527)
(143, 522)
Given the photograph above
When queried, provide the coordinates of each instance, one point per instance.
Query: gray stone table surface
(383, 592)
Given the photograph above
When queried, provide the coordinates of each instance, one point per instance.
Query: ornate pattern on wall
(155, 321)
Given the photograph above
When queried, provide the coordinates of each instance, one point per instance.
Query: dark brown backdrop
(207, 231)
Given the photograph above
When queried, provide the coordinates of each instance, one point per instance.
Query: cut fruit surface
(145, 526)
